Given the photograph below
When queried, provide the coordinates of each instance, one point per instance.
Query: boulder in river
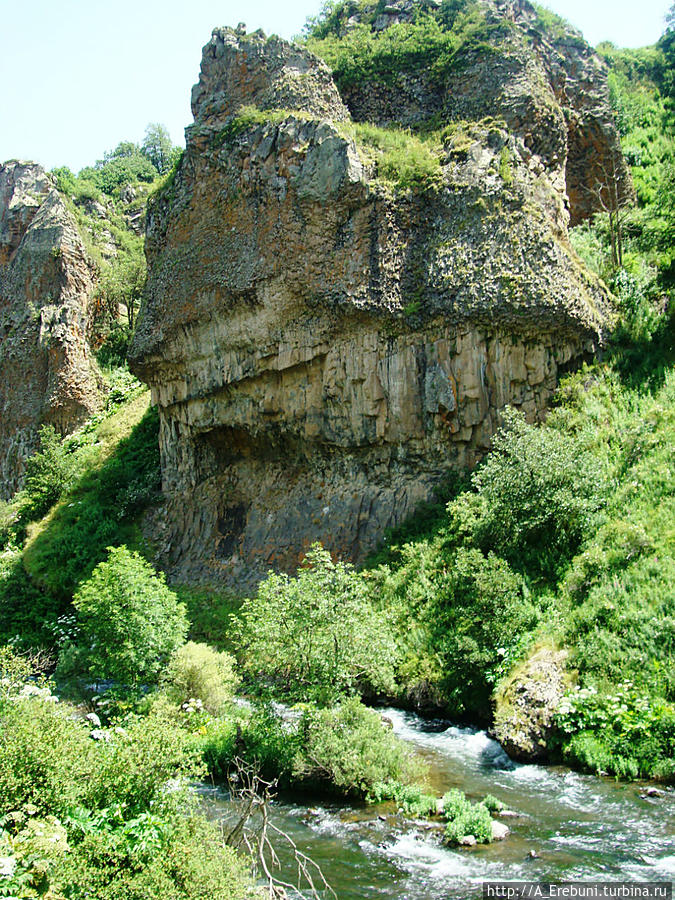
(526, 704)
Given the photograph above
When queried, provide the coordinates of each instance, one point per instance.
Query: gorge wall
(325, 346)
(46, 284)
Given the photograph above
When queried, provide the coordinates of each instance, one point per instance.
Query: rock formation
(544, 80)
(526, 704)
(324, 346)
(46, 282)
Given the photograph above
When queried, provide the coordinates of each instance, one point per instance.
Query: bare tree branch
(251, 797)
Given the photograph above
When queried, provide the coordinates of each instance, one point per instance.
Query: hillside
(403, 317)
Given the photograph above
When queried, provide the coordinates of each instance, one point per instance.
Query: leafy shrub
(111, 174)
(343, 751)
(48, 474)
(45, 757)
(126, 834)
(113, 350)
(411, 797)
(190, 863)
(477, 613)
(348, 749)
(539, 494)
(131, 621)
(316, 636)
(625, 733)
(198, 671)
(465, 818)
(219, 745)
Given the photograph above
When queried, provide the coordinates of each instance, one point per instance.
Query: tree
(122, 150)
(612, 195)
(316, 636)
(538, 495)
(123, 281)
(131, 621)
(476, 616)
(157, 147)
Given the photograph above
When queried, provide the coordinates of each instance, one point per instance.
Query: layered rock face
(323, 347)
(546, 83)
(46, 282)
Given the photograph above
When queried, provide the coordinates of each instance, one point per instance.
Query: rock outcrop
(540, 77)
(323, 346)
(46, 282)
(527, 702)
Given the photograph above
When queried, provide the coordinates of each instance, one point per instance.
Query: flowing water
(570, 826)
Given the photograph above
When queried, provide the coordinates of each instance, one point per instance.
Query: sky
(79, 76)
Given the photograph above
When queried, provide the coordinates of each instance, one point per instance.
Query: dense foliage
(435, 42)
(315, 636)
(86, 812)
(130, 622)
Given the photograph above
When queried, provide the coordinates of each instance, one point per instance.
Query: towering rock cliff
(46, 282)
(328, 332)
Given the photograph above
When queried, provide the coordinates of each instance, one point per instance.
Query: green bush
(315, 636)
(348, 749)
(45, 757)
(131, 621)
(200, 672)
(624, 733)
(189, 863)
(219, 746)
(343, 751)
(49, 473)
(434, 44)
(122, 823)
(540, 492)
(411, 797)
(476, 616)
(465, 818)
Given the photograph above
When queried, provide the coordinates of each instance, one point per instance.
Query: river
(570, 826)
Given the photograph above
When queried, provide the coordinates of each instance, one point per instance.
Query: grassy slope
(117, 464)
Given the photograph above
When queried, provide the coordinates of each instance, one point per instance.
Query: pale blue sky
(78, 76)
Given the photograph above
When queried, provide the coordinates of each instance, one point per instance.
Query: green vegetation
(82, 817)
(402, 159)
(108, 201)
(433, 42)
(112, 465)
(315, 636)
(465, 818)
(342, 751)
(198, 672)
(130, 622)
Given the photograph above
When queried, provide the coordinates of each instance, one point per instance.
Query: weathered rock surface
(546, 83)
(324, 349)
(526, 705)
(46, 282)
(248, 70)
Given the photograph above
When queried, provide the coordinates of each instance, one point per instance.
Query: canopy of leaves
(316, 635)
(131, 621)
(538, 494)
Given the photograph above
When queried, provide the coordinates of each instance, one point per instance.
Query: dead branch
(251, 798)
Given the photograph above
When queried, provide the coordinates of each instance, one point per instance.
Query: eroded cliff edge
(46, 288)
(323, 345)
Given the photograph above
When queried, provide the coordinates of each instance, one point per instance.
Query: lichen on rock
(526, 704)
